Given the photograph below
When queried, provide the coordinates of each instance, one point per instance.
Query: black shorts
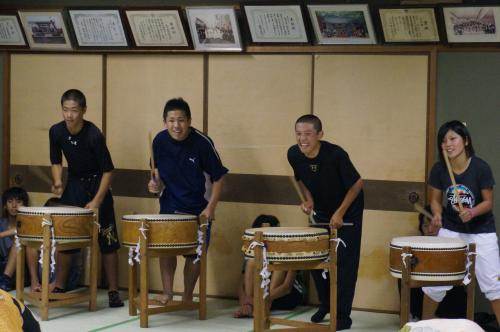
(289, 301)
(80, 191)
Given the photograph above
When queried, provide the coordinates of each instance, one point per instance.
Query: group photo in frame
(98, 27)
(409, 25)
(157, 28)
(282, 24)
(214, 28)
(11, 32)
(45, 30)
(472, 24)
(342, 24)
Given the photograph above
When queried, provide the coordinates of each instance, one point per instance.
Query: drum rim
(428, 242)
(54, 211)
(301, 232)
(159, 217)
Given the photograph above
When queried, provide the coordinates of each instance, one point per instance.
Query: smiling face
(73, 115)
(454, 145)
(177, 124)
(308, 139)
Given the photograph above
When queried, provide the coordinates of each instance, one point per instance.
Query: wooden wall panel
(138, 87)
(375, 106)
(376, 288)
(254, 101)
(37, 83)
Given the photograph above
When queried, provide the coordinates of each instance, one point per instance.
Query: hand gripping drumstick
(453, 182)
(313, 213)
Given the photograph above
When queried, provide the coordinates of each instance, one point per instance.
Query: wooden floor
(77, 318)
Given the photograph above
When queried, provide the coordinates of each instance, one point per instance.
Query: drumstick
(313, 213)
(299, 192)
(37, 171)
(421, 209)
(453, 182)
(151, 154)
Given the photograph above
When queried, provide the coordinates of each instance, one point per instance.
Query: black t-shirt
(85, 152)
(476, 177)
(328, 177)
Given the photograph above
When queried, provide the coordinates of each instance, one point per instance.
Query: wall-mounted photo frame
(280, 24)
(409, 25)
(11, 32)
(45, 30)
(342, 24)
(214, 28)
(98, 28)
(157, 28)
(472, 24)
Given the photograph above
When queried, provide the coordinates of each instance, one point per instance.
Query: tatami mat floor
(77, 318)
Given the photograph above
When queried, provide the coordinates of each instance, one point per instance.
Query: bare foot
(246, 310)
(163, 298)
(35, 286)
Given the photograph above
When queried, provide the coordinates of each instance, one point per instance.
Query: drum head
(287, 231)
(427, 242)
(159, 217)
(55, 210)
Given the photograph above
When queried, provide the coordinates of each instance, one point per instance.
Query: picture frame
(98, 28)
(45, 30)
(411, 24)
(214, 28)
(157, 28)
(11, 31)
(342, 24)
(275, 24)
(472, 24)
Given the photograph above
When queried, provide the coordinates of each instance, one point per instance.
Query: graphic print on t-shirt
(466, 197)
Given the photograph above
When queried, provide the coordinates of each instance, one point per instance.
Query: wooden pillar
(333, 280)
(44, 307)
(94, 252)
(258, 292)
(202, 309)
(20, 272)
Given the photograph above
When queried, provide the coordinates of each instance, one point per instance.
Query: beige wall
(372, 105)
(375, 107)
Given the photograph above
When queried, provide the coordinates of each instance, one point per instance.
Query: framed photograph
(98, 27)
(342, 24)
(157, 28)
(11, 33)
(276, 24)
(409, 25)
(45, 30)
(214, 28)
(474, 24)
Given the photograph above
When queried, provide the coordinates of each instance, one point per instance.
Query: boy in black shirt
(333, 191)
(89, 179)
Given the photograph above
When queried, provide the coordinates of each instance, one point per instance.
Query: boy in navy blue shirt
(188, 172)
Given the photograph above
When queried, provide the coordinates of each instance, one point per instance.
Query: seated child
(12, 198)
(285, 291)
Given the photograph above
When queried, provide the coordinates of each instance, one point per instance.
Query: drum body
(69, 223)
(289, 244)
(434, 258)
(165, 231)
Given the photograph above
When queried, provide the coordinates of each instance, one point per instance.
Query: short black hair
(265, 219)
(53, 201)
(176, 104)
(76, 95)
(312, 119)
(15, 193)
(421, 219)
(459, 128)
